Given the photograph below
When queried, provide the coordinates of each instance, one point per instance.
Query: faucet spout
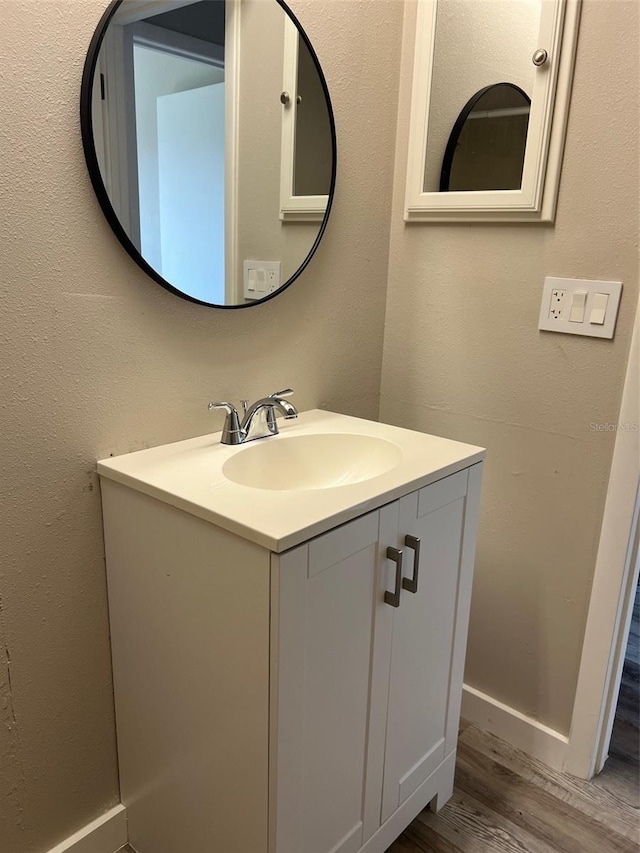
(260, 418)
(287, 409)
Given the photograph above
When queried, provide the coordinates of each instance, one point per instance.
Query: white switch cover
(584, 314)
(260, 278)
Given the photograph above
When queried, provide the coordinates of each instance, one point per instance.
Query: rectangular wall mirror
(489, 105)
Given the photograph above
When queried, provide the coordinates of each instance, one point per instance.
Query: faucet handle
(228, 407)
(287, 392)
(231, 432)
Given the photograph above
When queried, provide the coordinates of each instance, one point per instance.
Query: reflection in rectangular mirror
(487, 146)
(487, 43)
(489, 103)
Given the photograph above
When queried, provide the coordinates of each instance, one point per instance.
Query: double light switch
(578, 307)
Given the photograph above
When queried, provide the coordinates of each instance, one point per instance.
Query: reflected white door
(191, 191)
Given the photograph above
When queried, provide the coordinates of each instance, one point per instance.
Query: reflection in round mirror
(210, 142)
(486, 147)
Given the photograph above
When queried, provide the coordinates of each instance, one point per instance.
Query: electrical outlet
(579, 306)
(559, 305)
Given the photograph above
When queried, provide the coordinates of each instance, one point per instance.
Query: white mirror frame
(536, 200)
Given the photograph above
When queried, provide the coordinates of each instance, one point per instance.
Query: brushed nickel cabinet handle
(393, 598)
(413, 543)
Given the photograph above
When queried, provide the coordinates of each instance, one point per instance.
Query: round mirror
(210, 141)
(486, 147)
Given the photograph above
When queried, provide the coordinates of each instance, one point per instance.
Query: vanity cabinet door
(323, 607)
(424, 702)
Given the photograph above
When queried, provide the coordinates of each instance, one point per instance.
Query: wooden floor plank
(464, 724)
(408, 843)
(581, 795)
(553, 821)
(418, 839)
(475, 828)
(620, 781)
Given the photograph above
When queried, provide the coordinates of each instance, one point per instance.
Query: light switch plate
(260, 278)
(550, 320)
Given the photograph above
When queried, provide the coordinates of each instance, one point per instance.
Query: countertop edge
(303, 534)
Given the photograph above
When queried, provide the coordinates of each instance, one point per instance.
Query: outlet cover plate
(260, 278)
(549, 323)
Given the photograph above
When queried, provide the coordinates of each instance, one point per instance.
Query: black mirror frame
(452, 142)
(86, 127)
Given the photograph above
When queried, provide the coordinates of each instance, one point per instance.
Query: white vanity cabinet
(367, 695)
(276, 700)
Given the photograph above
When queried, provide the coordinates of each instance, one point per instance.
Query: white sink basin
(280, 491)
(304, 462)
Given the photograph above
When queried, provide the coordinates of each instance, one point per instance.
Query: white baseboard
(522, 732)
(105, 834)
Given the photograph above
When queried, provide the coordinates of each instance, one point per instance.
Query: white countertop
(188, 475)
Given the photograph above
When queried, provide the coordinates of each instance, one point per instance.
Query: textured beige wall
(463, 358)
(97, 359)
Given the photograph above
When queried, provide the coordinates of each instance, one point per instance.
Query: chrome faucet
(259, 418)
